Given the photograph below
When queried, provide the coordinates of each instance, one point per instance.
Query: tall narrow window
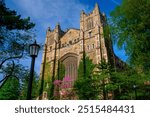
(89, 23)
(90, 34)
(93, 45)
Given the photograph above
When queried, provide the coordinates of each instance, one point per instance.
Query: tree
(130, 26)
(17, 82)
(129, 84)
(13, 74)
(15, 36)
(88, 87)
(24, 86)
(104, 77)
(12, 70)
(89, 69)
(10, 90)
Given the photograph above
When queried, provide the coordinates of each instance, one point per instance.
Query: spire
(96, 5)
(82, 12)
(49, 29)
(96, 9)
(57, 26)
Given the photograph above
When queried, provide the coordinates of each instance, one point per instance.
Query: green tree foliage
(47, 76)
(45, 83)
(87, 88)
(89, 68)
(12, 70)
(11, 20)
(10, 90)
(24, 86)
(103, 76)
(16, 82)
(130, 27)
(131, 30)
(123, 83)
(10, 87)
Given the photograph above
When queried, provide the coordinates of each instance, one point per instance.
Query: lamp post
(33, 51)
(134, 87)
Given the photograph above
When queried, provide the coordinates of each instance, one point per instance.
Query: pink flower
(57, 82)
(66, 83)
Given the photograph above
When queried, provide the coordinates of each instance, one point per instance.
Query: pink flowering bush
(64, 87)
(66, 83)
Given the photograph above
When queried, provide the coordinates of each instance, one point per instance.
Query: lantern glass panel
(34, 49)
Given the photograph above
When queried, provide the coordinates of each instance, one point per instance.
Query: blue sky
(45, 13)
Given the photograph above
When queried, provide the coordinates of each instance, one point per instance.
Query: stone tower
(92, 25)
(67, 47)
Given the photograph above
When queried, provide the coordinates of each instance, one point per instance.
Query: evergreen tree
(89, 70)
(103, 75)
(87, 88)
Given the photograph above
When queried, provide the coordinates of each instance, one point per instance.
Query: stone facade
(67, 47)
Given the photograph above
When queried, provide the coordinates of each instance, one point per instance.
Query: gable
(70, 36)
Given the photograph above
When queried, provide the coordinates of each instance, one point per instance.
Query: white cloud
(45, 12)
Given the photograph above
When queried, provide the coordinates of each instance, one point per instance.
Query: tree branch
(10, 59)
(7, 76)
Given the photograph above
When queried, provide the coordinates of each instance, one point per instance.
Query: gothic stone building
(67, 47)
